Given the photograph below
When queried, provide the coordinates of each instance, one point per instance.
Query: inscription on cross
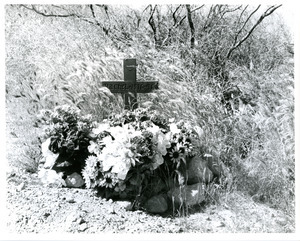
(130, 87)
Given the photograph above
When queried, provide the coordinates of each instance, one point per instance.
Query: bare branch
(228, 10)
(152, 23)
(195, 9)
(147, 8)
(268, 12)
(184, 17)
(92, 10)
(208, 16)
(242, 14)
(173, 15)
(49, 15)
(248, 19)
(191, 24)
(33, 8)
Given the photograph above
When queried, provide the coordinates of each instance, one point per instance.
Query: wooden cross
(130, 87)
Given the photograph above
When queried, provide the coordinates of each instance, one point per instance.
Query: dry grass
(238, 213)
(22, 143)
(70, 73)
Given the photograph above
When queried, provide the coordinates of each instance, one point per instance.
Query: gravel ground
(34, 208)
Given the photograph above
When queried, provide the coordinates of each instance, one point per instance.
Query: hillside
(227, 71)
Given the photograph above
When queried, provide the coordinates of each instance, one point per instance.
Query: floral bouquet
(135, 150)
(134, 155)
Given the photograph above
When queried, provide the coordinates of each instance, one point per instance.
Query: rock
(156, 204)
(74, 180)
(83, 227)
(51, 177)
(21, 186)
(72, 217)
(190, 194)
(124, 204)
(281, 221)
(213, 164)
(70, 200)
(198, 171)
(80, 220)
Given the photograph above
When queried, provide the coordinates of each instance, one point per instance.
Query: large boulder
(198, 171)
(189, 194)
(157, 204)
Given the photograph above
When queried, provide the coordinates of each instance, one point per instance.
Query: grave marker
(130, 87)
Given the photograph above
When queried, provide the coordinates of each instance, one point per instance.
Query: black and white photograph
(171, 119)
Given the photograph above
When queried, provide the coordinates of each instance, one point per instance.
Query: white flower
(162, 143)
(171, 120)
(45, 146)
(154, 129)
(158, 160)
(106, 140)
(108, 159)
(101, 127)
(92, 147)
(121, 169)
(174, 129)
(48, 155)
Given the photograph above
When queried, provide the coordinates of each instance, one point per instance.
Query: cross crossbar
(130, 87)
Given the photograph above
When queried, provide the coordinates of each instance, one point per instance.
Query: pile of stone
(200, 170)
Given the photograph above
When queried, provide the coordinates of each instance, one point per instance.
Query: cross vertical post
(130, 98)
(130, 87)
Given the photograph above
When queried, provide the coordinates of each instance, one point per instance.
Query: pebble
(21, 186)
(124, 204)
(281, 221)
(70, 200)
(83, 227)
(80, 221)
(73, 217)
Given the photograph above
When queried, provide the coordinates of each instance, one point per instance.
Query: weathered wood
(126, 87)
(130, 87)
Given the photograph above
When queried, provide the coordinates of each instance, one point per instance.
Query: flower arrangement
(67, 135)
(135, 154)
(135, 149)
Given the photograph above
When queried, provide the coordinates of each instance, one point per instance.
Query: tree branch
(241, 29)
(242, 14)
(65, 16)
(92, 10)
(152, 24)
(228, 10)
(191, 24)
(184, 17)
(49, 15)
(268, 12)
(173, 15)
